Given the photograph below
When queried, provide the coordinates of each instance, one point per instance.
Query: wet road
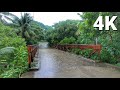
(59, 64)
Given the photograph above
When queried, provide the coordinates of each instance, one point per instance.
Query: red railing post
(29, 55)
(32, 49)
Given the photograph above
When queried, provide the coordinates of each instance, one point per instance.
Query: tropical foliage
(25, 27)
(15, 34)
(13, 53)
(61, 30)
(18, 32)
(83, 32)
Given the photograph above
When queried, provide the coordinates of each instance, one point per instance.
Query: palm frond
(4, 21)
(6, 50)
(13, 16)
(5, 13)
(32, 33)
(17, 30)
(10, 19)
(27, 34)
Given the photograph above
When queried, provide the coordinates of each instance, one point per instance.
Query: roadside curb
(112, 66)
(96, 62)
(104, 64)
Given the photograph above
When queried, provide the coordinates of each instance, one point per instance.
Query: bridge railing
(96, 48)
(32, 50)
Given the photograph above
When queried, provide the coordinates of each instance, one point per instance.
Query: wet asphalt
(55, 63)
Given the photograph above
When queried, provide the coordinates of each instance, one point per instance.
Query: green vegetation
(15, 35)
(83, 32)
(13, 53)
(63, 29)
(66, 40)
(108, 39)
(25, 27)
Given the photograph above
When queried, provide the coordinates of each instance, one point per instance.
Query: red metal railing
(32, 49)
(96, 48)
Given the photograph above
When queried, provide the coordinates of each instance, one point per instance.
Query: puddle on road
(47, 65)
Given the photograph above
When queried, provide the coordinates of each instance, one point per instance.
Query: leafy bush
(13, 53)
(85, 53)
(118, 64)
(107, 56)
(11, 73)
(66, 40)
(76, 51)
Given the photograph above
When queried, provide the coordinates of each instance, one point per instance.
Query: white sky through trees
(49, 18)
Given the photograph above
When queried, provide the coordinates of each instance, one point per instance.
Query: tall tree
(21, 25)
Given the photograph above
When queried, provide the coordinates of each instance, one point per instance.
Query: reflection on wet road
(59, 64)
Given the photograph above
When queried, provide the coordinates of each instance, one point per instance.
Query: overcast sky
(49, 18)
